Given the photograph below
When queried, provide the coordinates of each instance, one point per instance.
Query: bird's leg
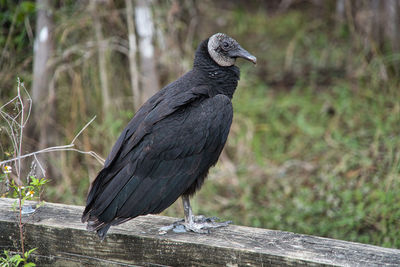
(187, 209)
(190, 223)
(199, 224)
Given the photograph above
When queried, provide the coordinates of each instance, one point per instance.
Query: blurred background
(315, 143)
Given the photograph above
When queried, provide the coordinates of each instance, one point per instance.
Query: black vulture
(170, 144)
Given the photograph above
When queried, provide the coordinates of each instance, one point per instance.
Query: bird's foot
(200, 224)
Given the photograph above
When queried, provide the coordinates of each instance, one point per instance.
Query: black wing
(175, 144)
(159, 106)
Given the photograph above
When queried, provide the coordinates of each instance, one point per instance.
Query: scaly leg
(191, 223)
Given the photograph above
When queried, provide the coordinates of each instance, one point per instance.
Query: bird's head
(224, 50)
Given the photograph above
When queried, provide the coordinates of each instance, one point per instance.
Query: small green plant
(9, 260)
(30, 191)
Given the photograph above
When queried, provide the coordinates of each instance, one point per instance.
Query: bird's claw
(200, 224)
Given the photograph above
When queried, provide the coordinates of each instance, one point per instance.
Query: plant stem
(21, 232)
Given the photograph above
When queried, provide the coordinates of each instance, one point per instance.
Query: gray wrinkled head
(224, 50)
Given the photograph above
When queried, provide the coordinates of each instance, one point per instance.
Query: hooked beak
(241, 52)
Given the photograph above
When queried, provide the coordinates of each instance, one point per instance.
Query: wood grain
(62, 240)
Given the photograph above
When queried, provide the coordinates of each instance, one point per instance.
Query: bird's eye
(225, 44)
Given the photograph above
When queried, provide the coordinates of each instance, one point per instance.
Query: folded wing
(159, 157)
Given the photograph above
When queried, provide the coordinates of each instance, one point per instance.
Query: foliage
(15, 260)
(32, 191)
(16, 42)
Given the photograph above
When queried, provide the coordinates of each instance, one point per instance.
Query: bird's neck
(224, 80)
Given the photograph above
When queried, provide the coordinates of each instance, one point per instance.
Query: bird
(168, 147)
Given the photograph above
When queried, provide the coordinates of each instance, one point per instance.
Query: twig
(9, 102)
(14, 124)
(12, 134)
(57, 148)
(40, 165)
(92, 153)
(30, 104)
(87, 124)
(22, 124)
(53, 149)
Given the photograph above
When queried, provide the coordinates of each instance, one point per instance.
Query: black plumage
(168, 147)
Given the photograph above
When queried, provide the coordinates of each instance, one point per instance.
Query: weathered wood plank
(61, 239)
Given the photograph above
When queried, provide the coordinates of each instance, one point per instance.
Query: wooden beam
(62, 240)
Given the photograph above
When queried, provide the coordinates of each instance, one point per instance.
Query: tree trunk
(101, 55)
(376, 28)
(392, 29)
(132, 55)
(42, 97)
(145, 29)
(378, 23)
(340, 10)
(41, 131)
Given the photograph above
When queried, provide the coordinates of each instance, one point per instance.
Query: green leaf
(29, 252)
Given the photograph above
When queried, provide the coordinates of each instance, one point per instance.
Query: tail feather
(101, 232)
(94, 224)
(100, 227)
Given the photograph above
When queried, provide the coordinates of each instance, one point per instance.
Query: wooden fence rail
(61, 239)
